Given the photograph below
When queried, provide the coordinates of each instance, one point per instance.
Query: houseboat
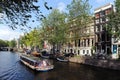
(36, 63)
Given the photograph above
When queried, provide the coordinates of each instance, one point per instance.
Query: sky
(8, 34)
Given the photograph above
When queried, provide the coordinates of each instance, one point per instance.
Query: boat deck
(32, 57)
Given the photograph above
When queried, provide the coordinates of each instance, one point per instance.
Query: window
(84, 42)
(97, 21)
(79, 43)
(88, 42)
(102, 13)
(92, 42)
(87, 51)
(65, 50)
(97, 15)
(107, 12)
(71, 51)
(103, 27)
(107, 19)
(75, 43)
(83, 51)
(102, 20)
(97, 28)
(74, 51)
(78, 52)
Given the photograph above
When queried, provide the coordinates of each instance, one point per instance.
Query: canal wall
(110, 64)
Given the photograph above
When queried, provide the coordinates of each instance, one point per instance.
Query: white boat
(36, 63)
(62, 59)
(43, 56)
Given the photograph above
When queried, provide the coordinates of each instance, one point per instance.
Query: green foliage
(31, 39)
(93, 48)
(4, 43)
(117, 6)
(114, 21)
(12, 43)
(79, 16)
(54, 27)
(79, 8)
(21, 12)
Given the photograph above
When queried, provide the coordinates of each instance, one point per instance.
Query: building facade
(102, 37)
(80, 39)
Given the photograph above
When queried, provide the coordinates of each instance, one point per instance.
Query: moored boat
(62, 58)
(36, 63)
(45, 54)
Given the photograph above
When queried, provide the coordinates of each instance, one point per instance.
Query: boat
(36, 63)
(45, 54)
(62, 58)
(35, 53)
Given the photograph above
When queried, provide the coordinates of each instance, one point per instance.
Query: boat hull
(45, 56)
(45, 69)
(35, 64)
(32, 67)
(63, 60)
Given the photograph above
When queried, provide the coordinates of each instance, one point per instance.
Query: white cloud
(61, 6)
(8, 34)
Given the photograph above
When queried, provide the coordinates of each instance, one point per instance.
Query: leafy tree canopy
(79, 16)
(21, 12)
(4, 43)
(54, 26)
(114, 21)
(79, 8)
(12, 43)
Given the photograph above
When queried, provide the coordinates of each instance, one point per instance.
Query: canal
(12, 69)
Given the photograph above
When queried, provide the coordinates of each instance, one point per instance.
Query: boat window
(28, 61)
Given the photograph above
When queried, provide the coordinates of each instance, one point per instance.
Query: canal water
(12, 69)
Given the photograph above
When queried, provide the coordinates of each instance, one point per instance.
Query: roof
(104, 7)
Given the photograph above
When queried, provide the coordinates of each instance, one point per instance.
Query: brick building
(102, 38)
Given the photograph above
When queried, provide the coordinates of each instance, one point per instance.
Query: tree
(34, 37)
(3, 43)
(79, 8)
(20, 12)
(54, 27)
(79, 15)
(12, 43)
(30, 39)
(78, 20)
(113, 26)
